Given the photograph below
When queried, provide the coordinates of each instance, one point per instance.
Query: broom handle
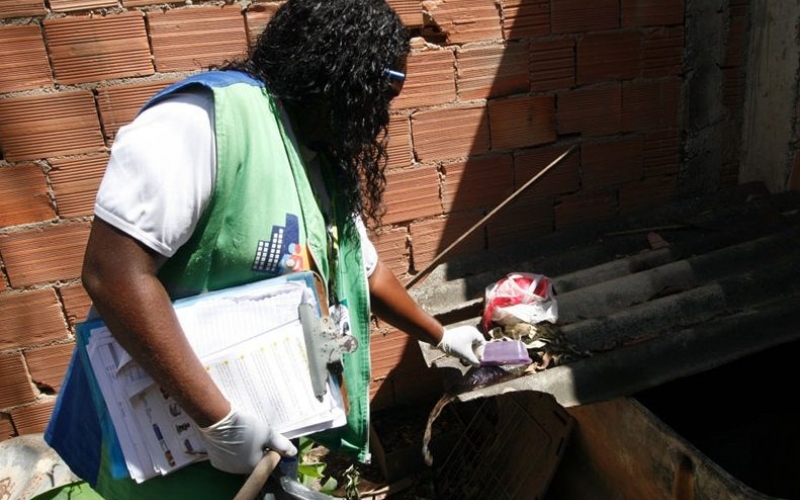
(485, 218)
(257, 478)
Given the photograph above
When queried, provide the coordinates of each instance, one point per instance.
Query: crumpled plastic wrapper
(520, 298)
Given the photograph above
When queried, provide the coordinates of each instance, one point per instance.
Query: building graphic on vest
(282, 252)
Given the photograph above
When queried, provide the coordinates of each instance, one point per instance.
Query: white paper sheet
(252, 343)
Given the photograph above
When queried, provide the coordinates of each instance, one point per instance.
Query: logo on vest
(282, 253)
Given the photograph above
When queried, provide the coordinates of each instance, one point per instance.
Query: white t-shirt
(157, 193)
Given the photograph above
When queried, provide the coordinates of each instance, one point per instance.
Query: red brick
(381, 394)
(30, 319)
(411, 194)
(392, 247)
(663, 53)
(410, 11)
(75, 181)
(464, 21)
(492, 71)
(119, 104)
(649, 105)
(398, 147)
(552, 64)
(662, 153)
(737, 41)
(591, 111)
(76, 303)
(450, 133)
(739, 7)
(731, 137)
(652, 12)
(72, 5)
(733, 87)
(16, 388)
(23, 195)
(615, 161)
(794, 177)
(40, 126)
(431, 237)
(413, 382)
(257, 16)
(6, 428)
(525, 18)
(562, 178)
(47, 365)
(648, 193)
(95, 48)
(33, 419)
(196, 37)
(519, 122)
(44, 254)
(430, 80)
(21, 8)
(387, 350)
(477, 183)
(604, 57)
(397, 363)
(520, 222)
(729, 175)
(582, 208)
(576, 16)
(24, 59)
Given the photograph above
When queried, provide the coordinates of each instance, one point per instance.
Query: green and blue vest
(262, 220)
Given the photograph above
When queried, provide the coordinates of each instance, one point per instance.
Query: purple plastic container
(505, 352)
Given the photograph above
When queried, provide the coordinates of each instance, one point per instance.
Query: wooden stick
(259, 476)
(481, 222)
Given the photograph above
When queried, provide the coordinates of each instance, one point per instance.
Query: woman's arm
(119, 275)
(392, 303)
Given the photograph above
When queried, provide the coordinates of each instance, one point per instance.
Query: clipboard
(252, 339)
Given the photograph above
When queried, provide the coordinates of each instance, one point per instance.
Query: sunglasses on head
(394, 75)
(396, 79)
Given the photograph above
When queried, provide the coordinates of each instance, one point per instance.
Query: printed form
(251, 341)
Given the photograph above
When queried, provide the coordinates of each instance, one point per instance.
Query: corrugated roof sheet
(651, 297)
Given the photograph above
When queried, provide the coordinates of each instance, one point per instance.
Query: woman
(281, 150)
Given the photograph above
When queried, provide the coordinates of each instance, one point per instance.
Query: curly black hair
(331, 56)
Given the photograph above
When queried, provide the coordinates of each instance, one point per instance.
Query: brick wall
(496, 89)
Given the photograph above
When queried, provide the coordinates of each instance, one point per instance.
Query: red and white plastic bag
(520, 298)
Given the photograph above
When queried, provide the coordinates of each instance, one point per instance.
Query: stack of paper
(251, 341)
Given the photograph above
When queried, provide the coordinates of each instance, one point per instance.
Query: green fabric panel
(259, 184)
(316, 228)
(352, 285)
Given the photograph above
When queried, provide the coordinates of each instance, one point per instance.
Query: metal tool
(485, 218)
(324, 345)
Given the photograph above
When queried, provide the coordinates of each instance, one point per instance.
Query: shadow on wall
(529, 80)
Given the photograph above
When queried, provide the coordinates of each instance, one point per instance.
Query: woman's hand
(461, 341)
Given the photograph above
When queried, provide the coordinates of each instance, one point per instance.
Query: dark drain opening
(742, 415)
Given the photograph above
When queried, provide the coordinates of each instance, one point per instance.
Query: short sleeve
(161, 172)
(368, 253)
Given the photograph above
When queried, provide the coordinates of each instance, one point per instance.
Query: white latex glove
(236, 443)
(461, 342)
